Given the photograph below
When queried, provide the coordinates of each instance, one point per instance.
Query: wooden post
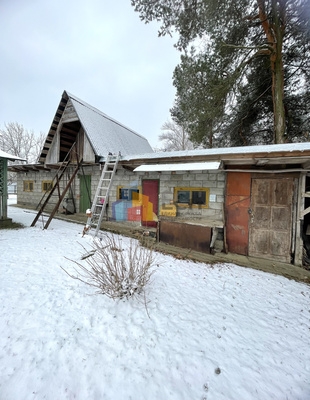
(3, 188)
(300, 217)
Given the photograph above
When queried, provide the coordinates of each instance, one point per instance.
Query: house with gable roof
(95, 133)
(252, 201)
(79, 134)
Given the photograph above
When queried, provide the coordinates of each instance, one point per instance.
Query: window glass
(199, 197)
(46, 186)
(192, 197)
(183, 196)
(28, 186)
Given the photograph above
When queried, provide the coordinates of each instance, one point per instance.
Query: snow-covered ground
(218, 332)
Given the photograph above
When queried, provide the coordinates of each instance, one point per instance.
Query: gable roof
(103, 132)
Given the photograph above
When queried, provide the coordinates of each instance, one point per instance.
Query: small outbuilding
(4, 157)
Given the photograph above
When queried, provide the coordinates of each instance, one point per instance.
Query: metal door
(270, 228)
(237, 203)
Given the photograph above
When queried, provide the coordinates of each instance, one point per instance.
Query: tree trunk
(278, 74)
(278, 96)
(274, 32)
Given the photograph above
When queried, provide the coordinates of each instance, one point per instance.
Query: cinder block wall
(214, 180)
(32, 198)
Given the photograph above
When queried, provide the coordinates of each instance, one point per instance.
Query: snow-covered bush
(115, 269)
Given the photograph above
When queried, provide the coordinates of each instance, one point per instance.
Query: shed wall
(214, 180)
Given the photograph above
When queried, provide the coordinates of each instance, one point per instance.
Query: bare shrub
(116, 271)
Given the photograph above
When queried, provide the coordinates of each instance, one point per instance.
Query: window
(196, 197)
(47, 186)
(28, 186)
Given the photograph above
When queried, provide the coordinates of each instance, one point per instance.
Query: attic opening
(68, 136)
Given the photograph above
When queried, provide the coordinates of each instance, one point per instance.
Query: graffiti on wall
(133, 206)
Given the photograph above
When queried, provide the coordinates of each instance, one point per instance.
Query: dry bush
(117, 271)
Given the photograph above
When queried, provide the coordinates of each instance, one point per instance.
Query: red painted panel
(134, 213)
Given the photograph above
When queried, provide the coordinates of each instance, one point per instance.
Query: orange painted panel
(237, 224)
(238, 183)
(147, 209)
(238, 201)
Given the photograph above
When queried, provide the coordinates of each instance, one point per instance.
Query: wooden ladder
(101, 198)
(56, 189)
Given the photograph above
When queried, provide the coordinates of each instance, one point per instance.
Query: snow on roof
(273, 148)
(107, 135)
(201, 166)
(10, 157)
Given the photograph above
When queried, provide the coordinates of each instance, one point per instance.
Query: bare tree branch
(175, 137)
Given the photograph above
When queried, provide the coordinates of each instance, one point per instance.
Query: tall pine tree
(249, 83)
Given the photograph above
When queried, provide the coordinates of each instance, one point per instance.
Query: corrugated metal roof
(199, 166)
(107, 135)
(273, 148)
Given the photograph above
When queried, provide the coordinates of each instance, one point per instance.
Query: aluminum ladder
(101, 198)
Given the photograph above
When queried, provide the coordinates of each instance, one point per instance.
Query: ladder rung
(102, 192)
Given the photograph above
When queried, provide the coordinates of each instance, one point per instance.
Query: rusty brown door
(270, 227)
(237, 204)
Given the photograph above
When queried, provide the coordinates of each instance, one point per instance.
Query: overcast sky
(98, 50)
